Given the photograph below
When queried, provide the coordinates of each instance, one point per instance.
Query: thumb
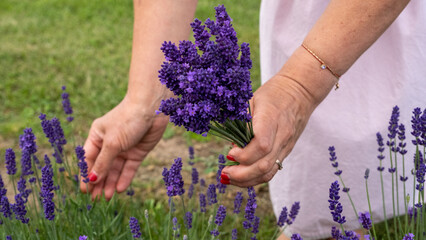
(109, 150)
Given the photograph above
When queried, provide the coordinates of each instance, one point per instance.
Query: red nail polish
(233, 144)
(224, 179)
(224, 176)
(230, 158)
(92, 177)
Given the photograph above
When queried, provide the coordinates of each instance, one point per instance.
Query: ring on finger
(280, 165)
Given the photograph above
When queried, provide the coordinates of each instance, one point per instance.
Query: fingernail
(224, 178)
(230, 158)
(92, 177)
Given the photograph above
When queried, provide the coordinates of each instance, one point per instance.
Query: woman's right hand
(117, 144)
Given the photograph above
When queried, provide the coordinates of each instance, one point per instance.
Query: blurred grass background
(85, 45)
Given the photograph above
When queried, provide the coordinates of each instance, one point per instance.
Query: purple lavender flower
(202, 203)
(66, 104)
(191, 155)
(8, 237)
(367, 173)
(296, 237)
(214, 232)
(3, 190)
(346, 190)
(283, 217)
(333, 159)
(293, 213)
(365, 220)
(237, 202)
(408, 236)
(130, 192)
(89, 207)
(211, 194)
(82, 164)
(202, 182)
(250, 208)
(10, 161)
(420, 173)
(220, 215)
(20, 199)
(29, 147)
(194, 176)
(255, 228)
(221, 162)
(5, 207)
(393, 128)
(188, 220)
(416, 125)
(54, 132)
(401, 137)
(212, 87)
(46, 193)
(190, 191)
(134, 227)
(234, 234)
(84, 237)
(173, 179)
(335, 206)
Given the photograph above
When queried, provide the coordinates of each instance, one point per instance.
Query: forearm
(154, 23)
(342, 34)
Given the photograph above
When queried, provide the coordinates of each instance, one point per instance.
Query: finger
(261, 170)
(262, 143)
(262, 178)
(98, 190)
(129, 170)
(109, 151)
(112, 178)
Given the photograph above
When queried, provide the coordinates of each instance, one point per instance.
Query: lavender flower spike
(283, 217)
(250, 208)
(237, 202)
(28, 145)
(134, 227)
(296, 237)
(66, 104)
(10, 161)
(211, 194)
(293, 213)
(84, 237)
(202, 203)
(173, 179)
(188, 218)
(408, 236)
(82, 164)
(335, 206)
(46, 193)
(365, 220)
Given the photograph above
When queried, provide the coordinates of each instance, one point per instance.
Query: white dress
(391, 72)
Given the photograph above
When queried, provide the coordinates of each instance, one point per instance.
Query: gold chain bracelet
(323, 65)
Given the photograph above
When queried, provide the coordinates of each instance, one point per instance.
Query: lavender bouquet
(210, 80)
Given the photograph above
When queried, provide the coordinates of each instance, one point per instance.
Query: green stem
(384, 205)
(369, 208)
(393, 196)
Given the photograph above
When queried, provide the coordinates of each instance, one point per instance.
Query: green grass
(85, 45)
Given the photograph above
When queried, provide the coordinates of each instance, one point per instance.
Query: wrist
(304, 72)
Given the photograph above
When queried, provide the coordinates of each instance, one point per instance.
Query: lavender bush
(408, 222)
(46, 202)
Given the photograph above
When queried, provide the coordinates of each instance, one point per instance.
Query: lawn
(85, 45)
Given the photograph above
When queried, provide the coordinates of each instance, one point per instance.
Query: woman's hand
(117, 144)
(280, 113)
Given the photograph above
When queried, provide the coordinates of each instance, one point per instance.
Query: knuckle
(263, 167)
(267, 177)
(265, 146)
